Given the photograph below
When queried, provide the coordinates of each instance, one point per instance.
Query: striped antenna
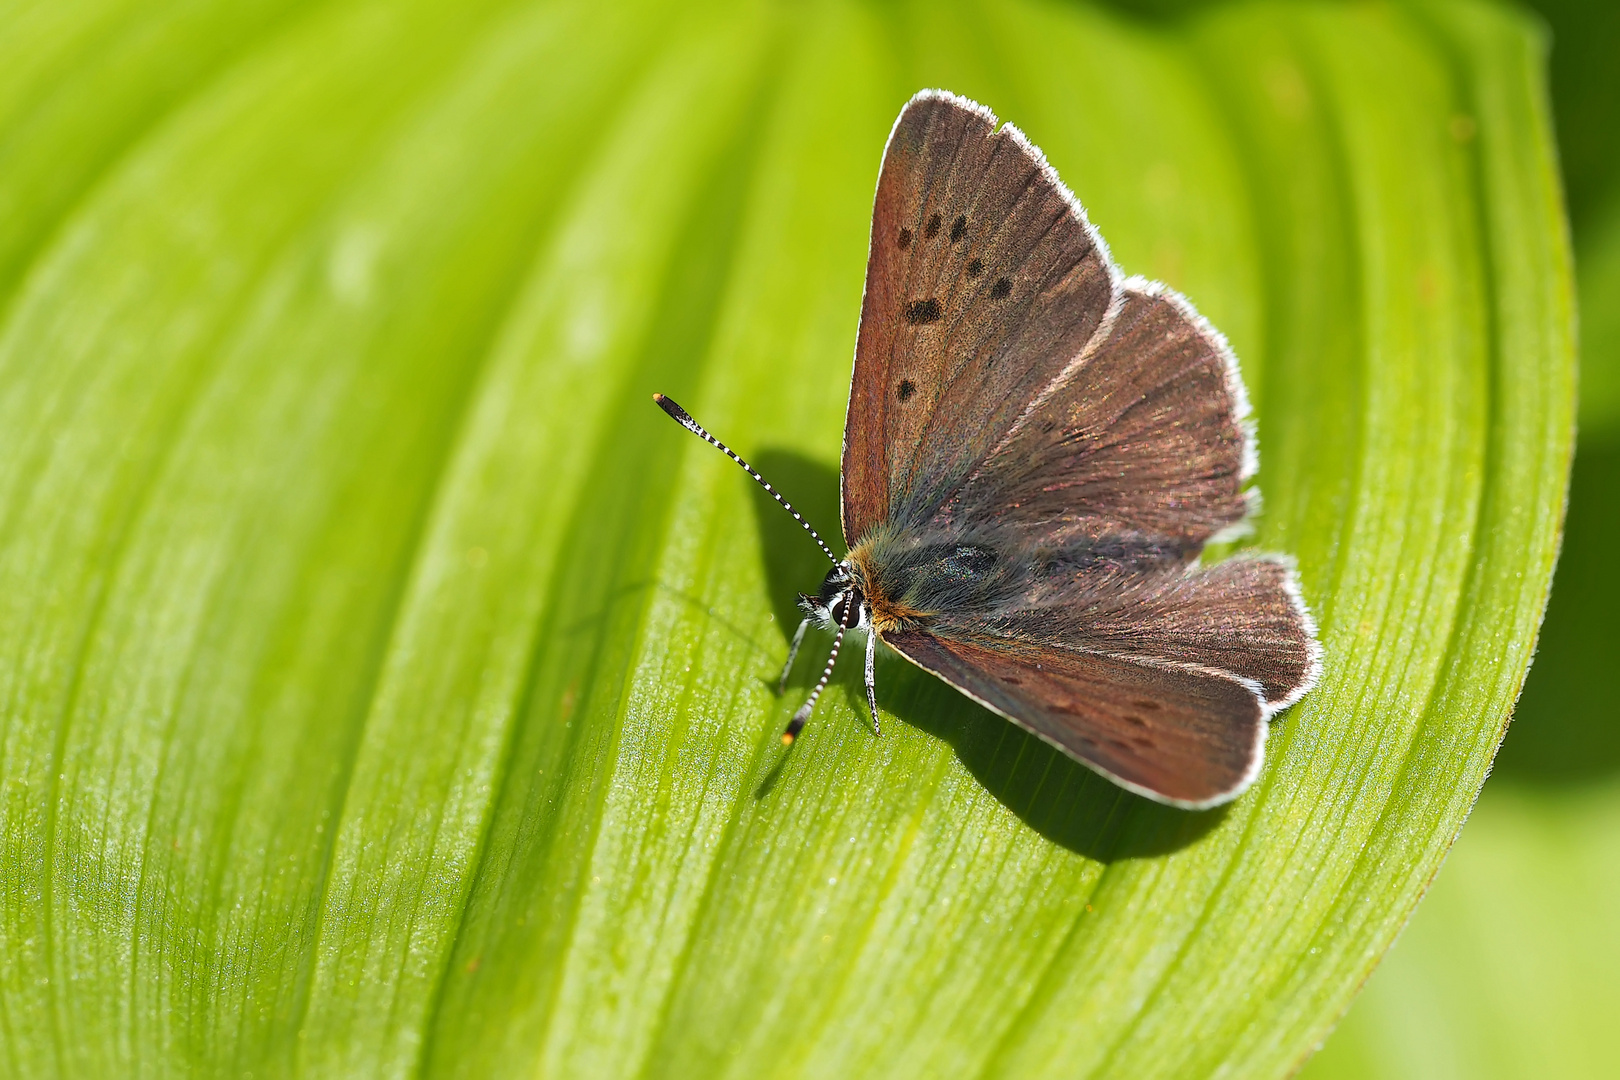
(681, 417)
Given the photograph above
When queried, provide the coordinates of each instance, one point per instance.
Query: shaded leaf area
(385, 685)
(1567, 725)
(1598, 259)
(1586, 96)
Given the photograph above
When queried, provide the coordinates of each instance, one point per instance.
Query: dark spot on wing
(975, 268)
(1001, 289)
(1146, 706)
(959, 228)
(919, 312)
(1131, 718)
(906, 389)
(931, 230)
(905, 239)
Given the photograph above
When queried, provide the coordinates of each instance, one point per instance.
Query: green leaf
(1507, 968)
(385, 684)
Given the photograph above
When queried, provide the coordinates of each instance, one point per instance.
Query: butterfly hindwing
(1065, 641)
(1243, 617)
(983, 282)
(1187, 738)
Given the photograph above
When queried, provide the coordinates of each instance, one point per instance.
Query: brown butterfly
(1036, 452)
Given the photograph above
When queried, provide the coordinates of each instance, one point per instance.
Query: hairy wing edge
(1313, 642)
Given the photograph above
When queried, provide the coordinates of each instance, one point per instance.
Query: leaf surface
(385, 684)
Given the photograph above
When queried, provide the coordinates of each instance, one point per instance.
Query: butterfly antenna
(684, 419)
(796, 724)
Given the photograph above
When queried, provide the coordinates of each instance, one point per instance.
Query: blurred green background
(1511, 965)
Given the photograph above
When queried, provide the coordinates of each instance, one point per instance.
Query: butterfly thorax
(907, 577)
(886, 613)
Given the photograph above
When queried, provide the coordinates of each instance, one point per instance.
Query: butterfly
(1037, 450)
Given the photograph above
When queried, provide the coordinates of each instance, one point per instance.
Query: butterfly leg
(796, 725)
(793, 654)
(871, 682)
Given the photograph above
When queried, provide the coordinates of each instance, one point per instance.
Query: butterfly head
(840, 601)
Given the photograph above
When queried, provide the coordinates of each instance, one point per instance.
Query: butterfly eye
(835, 584)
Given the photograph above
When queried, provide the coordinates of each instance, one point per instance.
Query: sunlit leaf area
(1509, 968)
(387, 687)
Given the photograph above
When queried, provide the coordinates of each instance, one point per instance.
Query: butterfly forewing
(1188, 738)
(984, 281)
(1144, 436)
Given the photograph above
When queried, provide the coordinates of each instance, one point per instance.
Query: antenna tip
(795, 726)
(676, 413)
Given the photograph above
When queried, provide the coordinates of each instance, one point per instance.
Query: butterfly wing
(1162, 680)
(1034, 453)
(1004, 374)
(984, 281)
(1186, 738)
(1144, 436)
(1243, 617)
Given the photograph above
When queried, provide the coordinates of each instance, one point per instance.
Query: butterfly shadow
(1050, 792)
